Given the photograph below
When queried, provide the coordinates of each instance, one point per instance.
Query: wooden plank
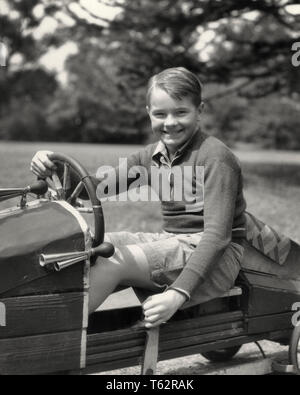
(115, 336)
(124, 343)
(211, 345)
(93, 366)
(127, 344)
(264, 301)
(133, 352)
(203, 321)
(200, 331)
(273, 282)
(150, 352)
(270, 323)
(30, 315)
(116, 346)
(199, 339)
(68, 280)
(163, 346)
(40, 354)
(170, 327)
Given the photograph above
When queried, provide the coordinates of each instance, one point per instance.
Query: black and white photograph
(149, 190)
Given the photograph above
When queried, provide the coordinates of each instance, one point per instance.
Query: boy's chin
(173, 141)
(173, 146)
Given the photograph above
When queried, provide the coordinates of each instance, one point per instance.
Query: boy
(198, 255)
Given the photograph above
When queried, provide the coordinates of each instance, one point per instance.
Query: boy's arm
(220, 192)
(109, 180)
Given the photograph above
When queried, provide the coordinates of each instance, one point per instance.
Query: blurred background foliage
(241, 50)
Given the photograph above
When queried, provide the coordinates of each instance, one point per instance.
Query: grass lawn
(272, 183)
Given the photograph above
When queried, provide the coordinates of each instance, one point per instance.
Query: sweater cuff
(181, 291)
(188, 280)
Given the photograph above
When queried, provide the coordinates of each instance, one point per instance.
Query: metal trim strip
(86, 276)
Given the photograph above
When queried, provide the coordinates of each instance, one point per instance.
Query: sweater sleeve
(111, 181)
(220, 192)
(118, 179)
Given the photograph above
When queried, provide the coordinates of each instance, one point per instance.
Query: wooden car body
(47, 328)
(259, 307)
(46, 311)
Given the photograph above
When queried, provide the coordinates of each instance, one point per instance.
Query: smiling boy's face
(173, 121)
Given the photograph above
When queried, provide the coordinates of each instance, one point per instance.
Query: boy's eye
(159, 114)
(181, 112)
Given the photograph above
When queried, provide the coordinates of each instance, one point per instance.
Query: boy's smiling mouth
(172, 132)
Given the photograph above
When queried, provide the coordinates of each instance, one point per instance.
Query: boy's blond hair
(177, 82)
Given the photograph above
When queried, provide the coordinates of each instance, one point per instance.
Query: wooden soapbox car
(45, 255)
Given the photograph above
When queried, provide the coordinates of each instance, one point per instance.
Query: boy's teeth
(173, 132)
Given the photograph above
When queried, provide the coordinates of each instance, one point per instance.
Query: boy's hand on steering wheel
(160, 308)
(41, 165)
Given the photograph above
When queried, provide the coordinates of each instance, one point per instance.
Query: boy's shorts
(167, 253)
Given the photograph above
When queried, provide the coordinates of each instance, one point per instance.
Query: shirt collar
(161, 150)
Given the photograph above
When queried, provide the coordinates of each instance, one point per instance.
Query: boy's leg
(137, 255)
(107, 274)
(128, 238)
(121, 269)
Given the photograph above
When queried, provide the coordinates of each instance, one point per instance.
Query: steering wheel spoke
(68, 183)
(77, 191)
(66, 178)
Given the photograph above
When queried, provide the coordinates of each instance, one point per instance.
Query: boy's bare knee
(105, 276)
(106, 268)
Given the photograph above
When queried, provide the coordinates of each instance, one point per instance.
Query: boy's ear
(148, 109)
(201, 107)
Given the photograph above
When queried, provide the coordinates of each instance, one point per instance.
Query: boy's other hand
(41, 165)
(160, 308)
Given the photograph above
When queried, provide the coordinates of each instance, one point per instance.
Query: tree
(242, 47)
(247, 50)
(250, 40)
(26, 88)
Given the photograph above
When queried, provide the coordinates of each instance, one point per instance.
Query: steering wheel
(62, 187)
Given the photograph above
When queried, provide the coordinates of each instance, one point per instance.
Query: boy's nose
(170, 121)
